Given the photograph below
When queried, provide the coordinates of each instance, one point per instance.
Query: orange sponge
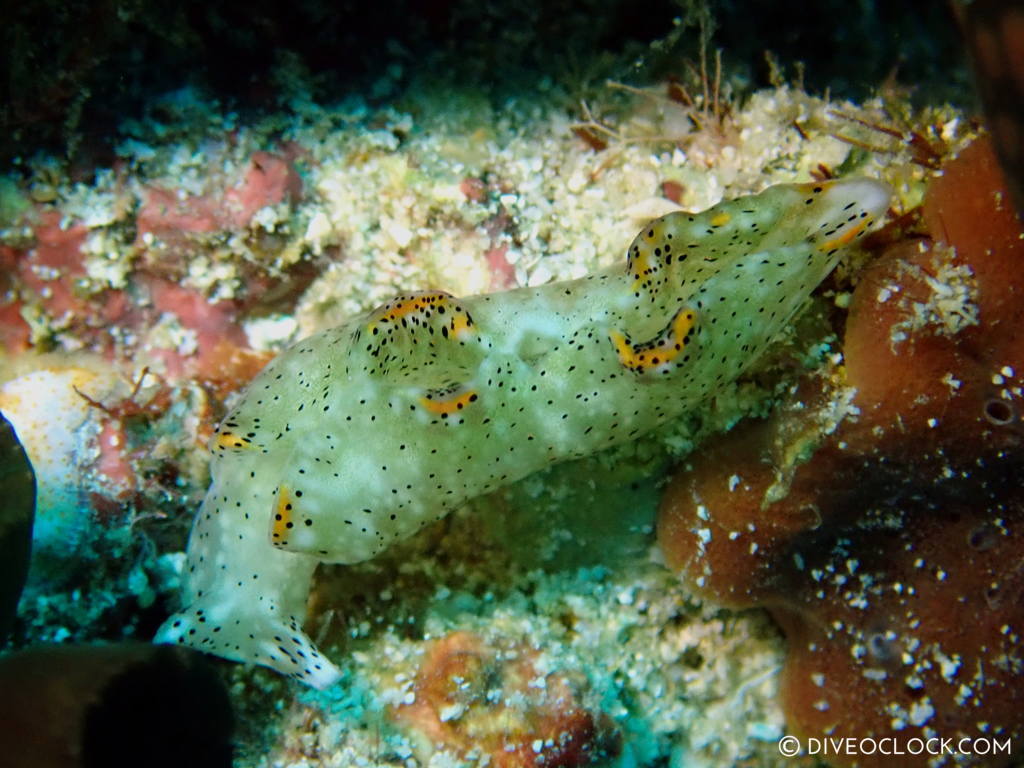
(879, 513)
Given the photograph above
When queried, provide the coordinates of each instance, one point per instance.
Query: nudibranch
(357, 437)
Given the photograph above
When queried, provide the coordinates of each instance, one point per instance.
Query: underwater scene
(436, 383)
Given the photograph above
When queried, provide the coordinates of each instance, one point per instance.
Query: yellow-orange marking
(396, 309)
(451, 404)
(846, 237)
(639, 266)
(721, 219)
(461, 325)
(231, 440)
(653, 354)
(282, 517)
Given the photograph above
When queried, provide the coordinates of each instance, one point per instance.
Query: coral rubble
(479, 701)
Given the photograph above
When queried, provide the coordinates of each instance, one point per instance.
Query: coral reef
(149, 271)
(73, 70)
(878, 514)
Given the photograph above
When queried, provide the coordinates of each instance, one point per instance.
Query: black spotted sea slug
(359, 436)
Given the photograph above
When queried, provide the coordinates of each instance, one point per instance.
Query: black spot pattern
(363, 434)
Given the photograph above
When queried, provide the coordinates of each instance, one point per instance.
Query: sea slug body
(359, 436)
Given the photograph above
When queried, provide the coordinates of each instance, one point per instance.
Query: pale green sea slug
(359, 436)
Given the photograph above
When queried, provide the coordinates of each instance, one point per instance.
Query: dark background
(79, 67)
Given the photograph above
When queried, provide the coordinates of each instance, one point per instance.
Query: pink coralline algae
(268, 180)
